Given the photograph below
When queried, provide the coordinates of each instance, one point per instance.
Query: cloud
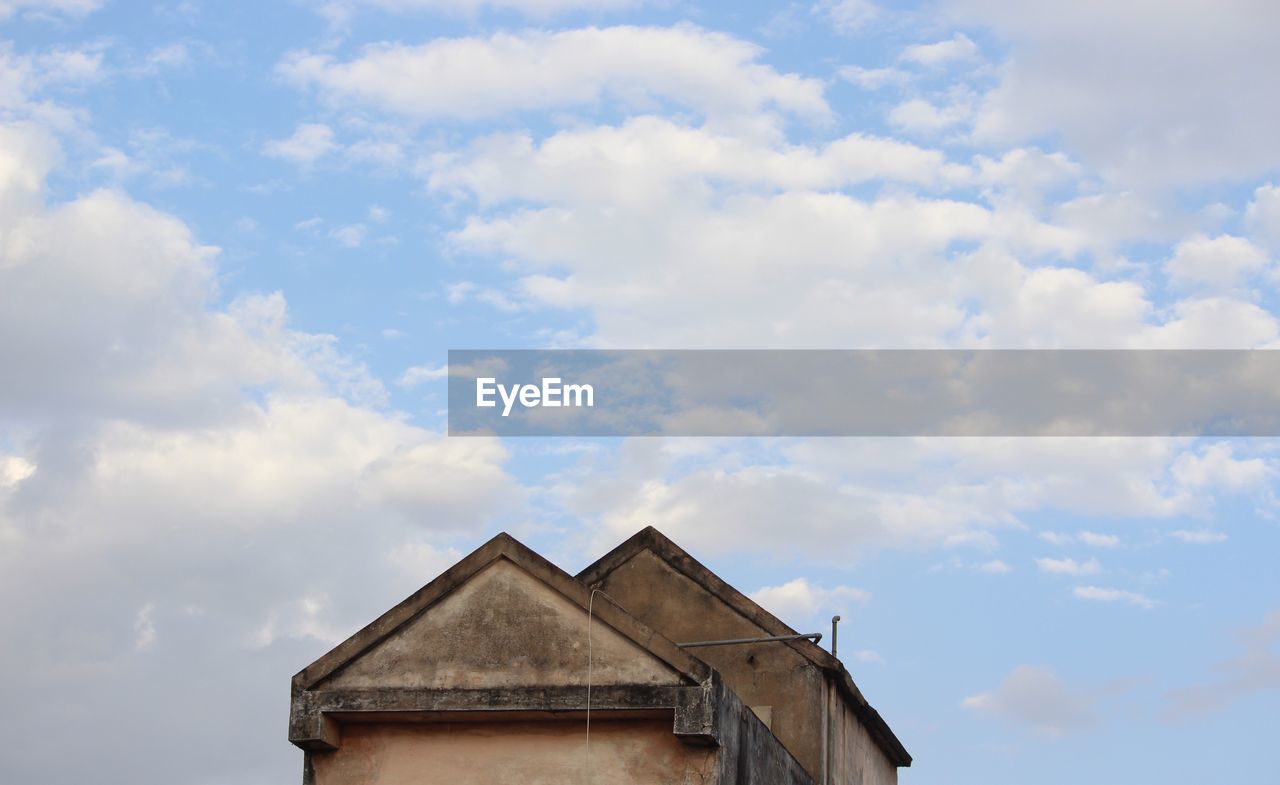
(1262, 216)
(958, 47)
(1144, 107)
(1200, 537)
(349, 236)
(647, 160)
(538, 9)
(145, 627)
(1256, 668)
(1215, 264)
(1034, 697)
(849, 498)
(800, 600)
(847, 16)
(474, 78)
(1098, 594)
(49, 8)
(310, 142)
(1091, 539)
(420, 374)
(1067, 566)
(995, 567)
(1095, 540)
(1217, 465)
(175, 466)
(918, 116)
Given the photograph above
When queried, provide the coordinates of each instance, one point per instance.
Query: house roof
(502, 546)
(654, 541)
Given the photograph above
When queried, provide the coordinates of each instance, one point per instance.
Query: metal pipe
(834, 621)
(815, 636)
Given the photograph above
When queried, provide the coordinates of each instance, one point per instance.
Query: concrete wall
(856, 759)
(513, 753)
(768, 674)
(502, 628)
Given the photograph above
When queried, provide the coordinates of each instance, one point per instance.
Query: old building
(506, 669)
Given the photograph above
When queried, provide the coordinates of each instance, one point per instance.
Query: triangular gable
(501, 617)
(650, 541)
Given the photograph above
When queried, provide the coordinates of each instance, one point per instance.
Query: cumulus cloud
(847, 16)
(1218, 465)
(848, 498)
(1035, 697)
(173, 475)
(711, 73)
(1100, 594)
(539, 9)
(1214, 263)
(71, 8)
(1096, 540)
(1067, 566)
(1199, 536)
(1262, 216)
(801, 600)
(648, 159)
(309, 143)
(958, 47)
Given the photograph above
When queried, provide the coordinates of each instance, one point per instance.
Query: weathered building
(492, 674)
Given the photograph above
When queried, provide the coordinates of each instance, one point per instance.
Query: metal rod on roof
(834, 621)
(814, 636)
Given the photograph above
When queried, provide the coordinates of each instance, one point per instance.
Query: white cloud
(995, 567)
(538, 9)
(1262, 216)
(1214, 264)
(874, 78)
(349, 236)
(309, 143)
(1217, 466)
(28, 80)
(1095, 540)
(712, 73)
(918, 116)
(164, 452)
(648, 160)
(958, 47)
(422, 561)
(1199, 537)
(868, 656)
(144, 627)
(1092, 539)
(1099, 594)
(803, 601)
(847, 16)
(49, 8)
(1035, 697)
(1067, 566)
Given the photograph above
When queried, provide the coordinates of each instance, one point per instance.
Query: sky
(237, 241)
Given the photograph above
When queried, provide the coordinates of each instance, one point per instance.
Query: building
(506, 669)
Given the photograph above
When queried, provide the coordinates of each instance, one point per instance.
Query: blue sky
(237, 241)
